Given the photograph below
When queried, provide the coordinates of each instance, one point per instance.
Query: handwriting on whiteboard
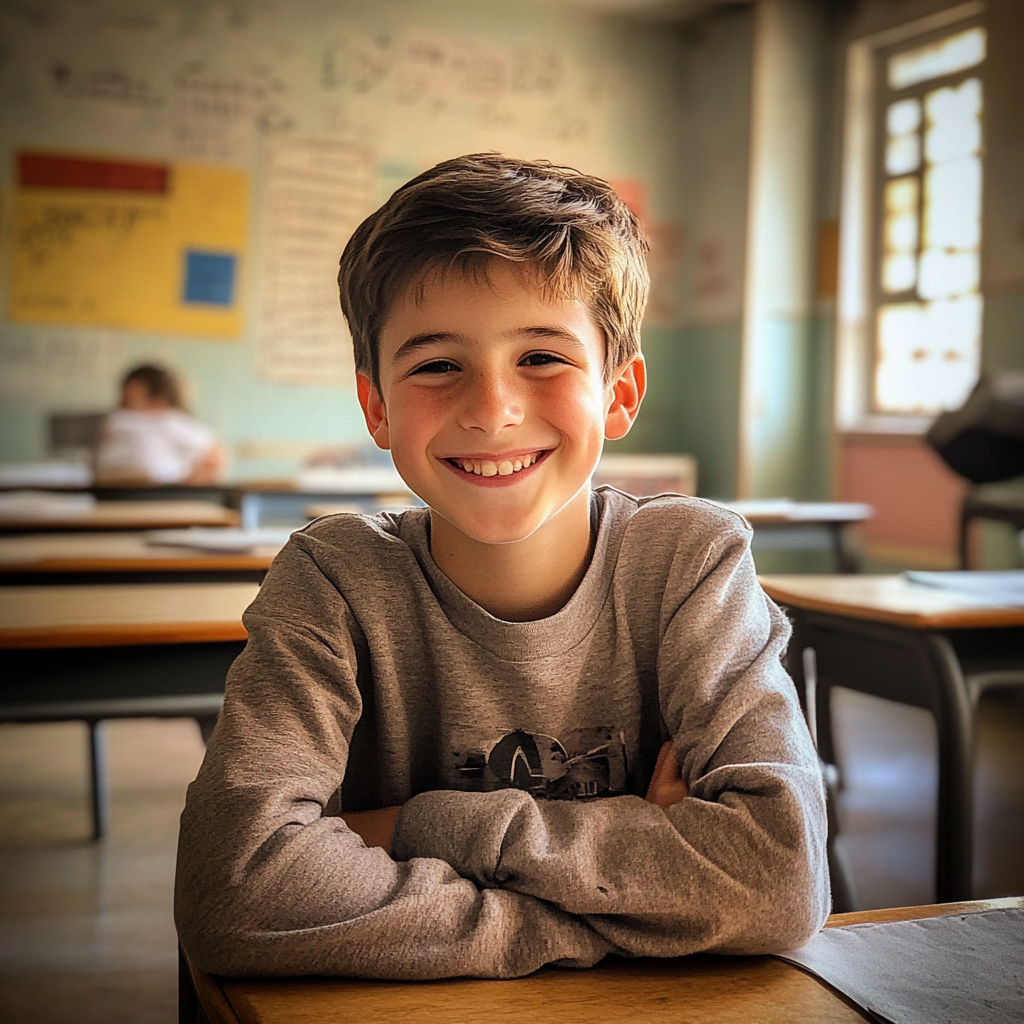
(315, 194)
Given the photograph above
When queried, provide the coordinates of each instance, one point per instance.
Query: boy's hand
(667, 786)
(375, 828)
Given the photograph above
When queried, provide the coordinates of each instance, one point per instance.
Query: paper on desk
(44, 505)
(1000, 587)
(961, 969)
(219, 538)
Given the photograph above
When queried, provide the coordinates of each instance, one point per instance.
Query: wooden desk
(286, 500)
(124, 515)
(99, 557)
(94, 652)
(915, 644)
(696, 989)
(777, 519)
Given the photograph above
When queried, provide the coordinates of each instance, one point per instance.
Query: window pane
(899, 272)
(945, 274)
(903, 117)
(954, 53)
(954, 122)
(927, 354)
(952, 205)
(901, 233)
(902, 153)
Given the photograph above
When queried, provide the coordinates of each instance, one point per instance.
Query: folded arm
(736, 866)
(268, 884)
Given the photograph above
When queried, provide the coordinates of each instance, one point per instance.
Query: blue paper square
(209, 277)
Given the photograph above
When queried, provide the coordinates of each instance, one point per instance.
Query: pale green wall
(617, 113)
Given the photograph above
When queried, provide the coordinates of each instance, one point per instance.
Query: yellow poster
(106, 242)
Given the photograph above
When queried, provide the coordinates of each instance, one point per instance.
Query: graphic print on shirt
(583, 763)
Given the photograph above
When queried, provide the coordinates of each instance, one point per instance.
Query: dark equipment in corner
(983, 441)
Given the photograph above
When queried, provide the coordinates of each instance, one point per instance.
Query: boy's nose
(491, 404)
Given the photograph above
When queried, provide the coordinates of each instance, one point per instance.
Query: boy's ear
(627, 392)
(373, 411)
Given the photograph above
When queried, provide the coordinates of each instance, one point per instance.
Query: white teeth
(487, 468)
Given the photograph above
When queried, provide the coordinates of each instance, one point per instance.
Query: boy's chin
(492, 531)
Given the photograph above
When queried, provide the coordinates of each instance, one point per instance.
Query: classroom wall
(387, 89)
(694, 354)
(901, 477)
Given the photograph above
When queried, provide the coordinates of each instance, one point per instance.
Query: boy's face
(479, 377)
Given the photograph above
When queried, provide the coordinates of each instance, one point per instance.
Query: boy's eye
(436, 367)
(541, 359)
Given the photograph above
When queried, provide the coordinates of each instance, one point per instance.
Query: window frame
(860, 292)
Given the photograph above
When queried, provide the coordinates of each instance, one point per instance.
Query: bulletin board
(101, 241)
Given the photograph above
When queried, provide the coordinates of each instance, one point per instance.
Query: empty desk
(100, 557)
(113, 515)
(781, 523)
(93, 652)
(919, 645)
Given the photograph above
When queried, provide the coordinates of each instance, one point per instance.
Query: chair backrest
(74, 430)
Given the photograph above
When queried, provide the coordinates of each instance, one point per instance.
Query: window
(909, 311)
(928, 304)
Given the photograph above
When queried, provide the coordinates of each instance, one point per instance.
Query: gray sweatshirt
(521, 753)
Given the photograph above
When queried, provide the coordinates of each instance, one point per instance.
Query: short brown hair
(158, 381)
(573, 229)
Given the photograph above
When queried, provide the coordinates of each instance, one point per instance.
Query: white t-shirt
(161, 445)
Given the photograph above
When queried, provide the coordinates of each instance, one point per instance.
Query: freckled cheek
(415, 421)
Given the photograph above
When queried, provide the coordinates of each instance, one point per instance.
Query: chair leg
(844, 892)
(98, 777)
(206, 724)
(190, 1010)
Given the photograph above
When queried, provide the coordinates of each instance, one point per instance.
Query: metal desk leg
(98, 778)
(846, 560)
(955, 824)
(915, 667)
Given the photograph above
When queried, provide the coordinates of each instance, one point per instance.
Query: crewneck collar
(540, 638)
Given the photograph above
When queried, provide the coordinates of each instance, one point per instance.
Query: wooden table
(100, 557)
(287, 500)
(696, 990)
(776, 520)
(915, 644)
(94, 652)
(123, 515)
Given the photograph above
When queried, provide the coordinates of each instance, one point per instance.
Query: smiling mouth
(501, 467)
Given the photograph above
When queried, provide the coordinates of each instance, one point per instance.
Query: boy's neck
(530, 579)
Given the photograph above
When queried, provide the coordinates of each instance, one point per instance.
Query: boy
(482, 688)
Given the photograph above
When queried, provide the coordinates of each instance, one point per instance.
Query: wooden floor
(86, 932)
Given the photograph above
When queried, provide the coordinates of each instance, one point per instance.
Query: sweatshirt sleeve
(739, 865)
(268, 885)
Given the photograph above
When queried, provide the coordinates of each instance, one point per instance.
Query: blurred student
(152, 439)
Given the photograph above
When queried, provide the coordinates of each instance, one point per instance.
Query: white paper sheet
(1001, 587)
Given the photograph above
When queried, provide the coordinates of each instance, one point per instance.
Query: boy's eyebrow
(542, 332)
(428, 338)
(418, 341)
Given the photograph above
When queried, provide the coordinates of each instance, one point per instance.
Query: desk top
(118, 552)
(892, 599)
(122, 515)
(697, 989)
(128, 614)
